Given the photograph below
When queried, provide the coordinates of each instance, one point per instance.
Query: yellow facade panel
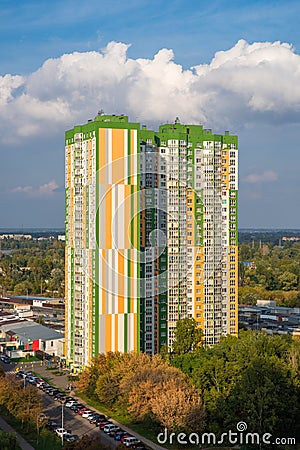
(117, 156)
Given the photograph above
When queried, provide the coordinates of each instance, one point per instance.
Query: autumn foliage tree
(22, 403)
(145, 387)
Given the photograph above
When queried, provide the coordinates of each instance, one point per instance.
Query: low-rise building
(27, 337)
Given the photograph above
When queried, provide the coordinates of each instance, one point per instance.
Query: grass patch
(47, 380)
(149, 430)
(31, 358)
(73, 377)
(57, 373)
(47, 439)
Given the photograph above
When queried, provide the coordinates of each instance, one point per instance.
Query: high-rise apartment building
(151, 235)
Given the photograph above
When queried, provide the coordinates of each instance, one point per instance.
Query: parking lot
(59, 410)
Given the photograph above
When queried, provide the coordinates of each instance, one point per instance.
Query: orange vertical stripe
(117, 156)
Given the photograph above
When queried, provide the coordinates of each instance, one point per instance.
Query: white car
(110, 427)
(87, 413)
(61, 431)
(130, 441)
(70, 403)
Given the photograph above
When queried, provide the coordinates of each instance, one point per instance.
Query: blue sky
(63, 60)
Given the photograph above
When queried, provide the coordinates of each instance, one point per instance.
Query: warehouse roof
(30, 331)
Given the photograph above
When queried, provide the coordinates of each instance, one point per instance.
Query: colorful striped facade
(151, 235)
(102, 261)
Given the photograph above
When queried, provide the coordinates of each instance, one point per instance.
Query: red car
(126, 435)
(81, 411)
(102, 424)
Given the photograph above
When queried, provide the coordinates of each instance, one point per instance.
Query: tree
(187, 337)
(22, 403)
(162, 394)
(265, 398)
(8, 441)
(178, 407)
(90, 443)
(288, 280)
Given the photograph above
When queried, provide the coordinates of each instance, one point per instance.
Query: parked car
(69, 399)
(61, 431)
(129, 441)
(110, 427)
(5, 359)
(32, 380)
(53, 393)
(59, 396)
(26, 374)
(51, 424)
(119, 434)
(19, 374)
(81, 411)
(125, 436)
(97, 418)
(70, 403)
(102, 424)
(48, 389)
(70, 437)
(99, 422)
(76, 408)
(86, 414)
(114, 432)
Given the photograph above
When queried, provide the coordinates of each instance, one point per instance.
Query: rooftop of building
(28, 330)
(165, 130)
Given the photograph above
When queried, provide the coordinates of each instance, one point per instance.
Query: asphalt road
(71, 421)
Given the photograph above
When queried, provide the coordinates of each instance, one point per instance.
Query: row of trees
(148, 389)
(22, 403)
(33, 270)
(274, 273)
(254, 378)
(25, 405)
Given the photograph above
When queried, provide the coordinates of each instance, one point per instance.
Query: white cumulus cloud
(41, 191)
(243, 85)
(266, 177)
